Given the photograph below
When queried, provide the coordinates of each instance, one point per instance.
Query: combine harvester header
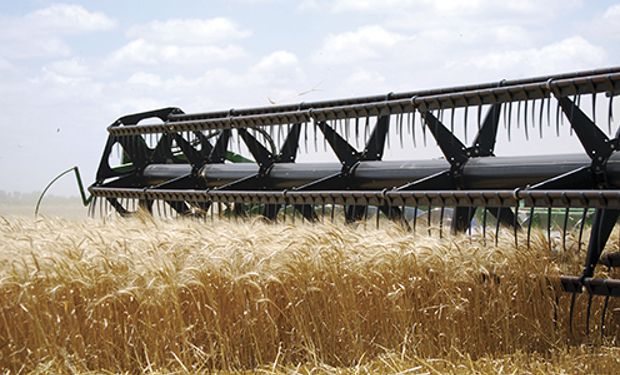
(198, 165)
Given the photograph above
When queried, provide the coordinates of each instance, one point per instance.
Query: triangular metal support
(452, 148)
(162, 153)
(457, 155)
(599, 148)
(376, 143)
(205, 146)
(602, 226)
(288, 152)
(263, 157)
(484, 144)
(137, 150)
(217, 153)
(193, 156)
(594, 141)
(347, 155)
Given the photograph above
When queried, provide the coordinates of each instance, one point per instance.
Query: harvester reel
(187, 165)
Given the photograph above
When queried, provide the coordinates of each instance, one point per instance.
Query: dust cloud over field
(133, 295)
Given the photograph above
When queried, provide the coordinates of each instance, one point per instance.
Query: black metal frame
(186, 170)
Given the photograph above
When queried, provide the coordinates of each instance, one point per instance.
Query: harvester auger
(179, 166)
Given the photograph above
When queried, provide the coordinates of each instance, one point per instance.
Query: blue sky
(67, 70)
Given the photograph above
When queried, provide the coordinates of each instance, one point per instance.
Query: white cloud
(210, 64)
(33, 45)
(362, 77)
(279, 75)
(605, 26)
(71, 67)
(188, 31)
(570, 53)
(145, 79)
(40, 33)
(181, 42)
(382, 6)
(69, 18)
(486, 36)
(430, 6)
(612, 11)
(455, 16)
(4, 64)
(364, 43)
(179, 84)
(143, 52)
(275, 61)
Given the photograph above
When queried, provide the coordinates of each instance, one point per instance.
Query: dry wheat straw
(132, 295)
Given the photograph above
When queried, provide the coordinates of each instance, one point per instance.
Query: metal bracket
(484, 144)
(134, 118)
(598, 147)
(602, 225)
(376, 143)
(162, 152)
(347, 155)
(189, 151)
(217, 153)
(205, 146)
(263, 157)
(137, 150)
(133, 145)
(457, 155)
(453, 149)
(288, 152)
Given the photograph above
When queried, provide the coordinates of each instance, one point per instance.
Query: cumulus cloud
(607, 26)
(278, 77)
(189, 31)
(181, 42)
(570, 53)
(68, 18)
(275, 61)
(4, 64)
(41, 33)
(364, 77)
(145, 79)
(612, 12)
(366, 42)
(73, 67)
(143, 52)
(357, 48)
(443, 6)
(375, 6)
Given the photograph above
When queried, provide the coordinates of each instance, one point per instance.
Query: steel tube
(479, 173)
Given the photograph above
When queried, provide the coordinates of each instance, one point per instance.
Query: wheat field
(181, 296)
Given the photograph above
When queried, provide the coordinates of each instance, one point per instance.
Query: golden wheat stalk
(137, 295)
